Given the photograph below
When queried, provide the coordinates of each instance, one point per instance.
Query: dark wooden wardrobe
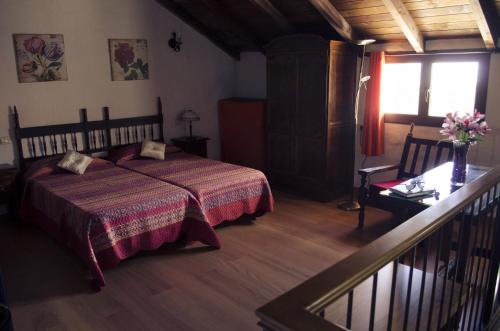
(310, 115)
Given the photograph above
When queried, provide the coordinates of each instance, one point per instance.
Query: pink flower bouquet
(465, 128)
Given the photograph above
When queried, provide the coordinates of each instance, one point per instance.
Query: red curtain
(373, 137)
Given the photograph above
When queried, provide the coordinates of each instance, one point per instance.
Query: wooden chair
(432, 157)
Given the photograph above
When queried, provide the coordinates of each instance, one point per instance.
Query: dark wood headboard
(124, 131)
(88, 137)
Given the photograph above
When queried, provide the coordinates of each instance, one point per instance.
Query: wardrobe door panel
(310, 158)
(282, 80)
(311, 94)
(281, 158)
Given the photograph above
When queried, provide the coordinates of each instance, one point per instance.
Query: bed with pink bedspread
(110, 213)
(225, 191)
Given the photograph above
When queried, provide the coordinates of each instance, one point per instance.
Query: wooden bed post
(86, 133)
(160, 114)
(105, 111)
(19, 143)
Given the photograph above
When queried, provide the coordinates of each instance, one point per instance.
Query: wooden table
(440, 179)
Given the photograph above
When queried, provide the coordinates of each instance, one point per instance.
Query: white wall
(197, 77)
(251, 75)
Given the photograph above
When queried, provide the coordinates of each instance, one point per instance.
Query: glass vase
(459, 162)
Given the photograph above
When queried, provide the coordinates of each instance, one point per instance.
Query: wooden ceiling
(248, 25)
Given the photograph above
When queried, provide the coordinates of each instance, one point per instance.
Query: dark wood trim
(96, 136)
(181, 13)
(334, 18)
(484, 19)
(405, 21)
(427, 59)
(271, 10)
(297, 309)
(238, 26)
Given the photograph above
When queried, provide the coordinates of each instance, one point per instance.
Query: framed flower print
(40, 57)
(129, 59)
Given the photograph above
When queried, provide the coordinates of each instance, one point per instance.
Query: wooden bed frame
(33, 143)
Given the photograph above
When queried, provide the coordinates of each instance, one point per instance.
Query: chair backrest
(420, 154)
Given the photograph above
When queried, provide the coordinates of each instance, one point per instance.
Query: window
(423, 88)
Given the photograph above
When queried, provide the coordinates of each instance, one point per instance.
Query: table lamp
(190, 116)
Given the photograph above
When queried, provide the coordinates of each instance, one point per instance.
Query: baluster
(350, 298)
(136, 135)
(94, 140)
(462, 266)
(410, 284)
(458, 258)
(119, 130)
(422, 284)
(373, 301)
(395, 265)
(74, 141)
(449, 232)
(65, 143)
(494, 258)
(434, 277)
(32, 147)
(475, 283)
(127, 135)
(468, 281)
(151, 131)
(41, 142)
(53, 144)
(143, 129)
(479, 252)
(101, 138)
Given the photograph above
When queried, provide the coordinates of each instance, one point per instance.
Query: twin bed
(127, 204)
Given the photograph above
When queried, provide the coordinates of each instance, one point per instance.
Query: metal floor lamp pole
(352, 204)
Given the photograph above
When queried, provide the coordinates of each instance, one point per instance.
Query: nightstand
(192, 145)
(7, 178)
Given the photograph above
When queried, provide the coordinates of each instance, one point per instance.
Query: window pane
(453, 87)
(400, 88)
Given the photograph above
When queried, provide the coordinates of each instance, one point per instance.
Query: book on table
(412, 189)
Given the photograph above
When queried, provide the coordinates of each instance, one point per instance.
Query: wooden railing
(438, 270)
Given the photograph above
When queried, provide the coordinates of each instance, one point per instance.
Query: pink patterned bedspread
(110, 213)
(225, 191)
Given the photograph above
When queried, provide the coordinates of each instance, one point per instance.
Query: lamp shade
(190, 116)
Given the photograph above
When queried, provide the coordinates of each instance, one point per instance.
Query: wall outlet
(4, 140)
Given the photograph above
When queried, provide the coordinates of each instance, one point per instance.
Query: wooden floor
(193, 288)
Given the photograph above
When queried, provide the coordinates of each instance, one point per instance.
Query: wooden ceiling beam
(235, 25)
(481, 13)
(267, 7)
(405, 21)
(334, 18)
(181, 13)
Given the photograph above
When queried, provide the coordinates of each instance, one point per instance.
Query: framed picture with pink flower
(129, 59)
(40, 57)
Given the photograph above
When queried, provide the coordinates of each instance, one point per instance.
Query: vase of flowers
(464, 130)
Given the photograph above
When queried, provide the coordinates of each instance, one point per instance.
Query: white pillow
(153, 149)
(75, 162)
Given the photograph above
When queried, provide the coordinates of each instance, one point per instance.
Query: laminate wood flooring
(182, 288)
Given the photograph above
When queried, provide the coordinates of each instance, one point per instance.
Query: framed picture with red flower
(129, 59)
(40, 57)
